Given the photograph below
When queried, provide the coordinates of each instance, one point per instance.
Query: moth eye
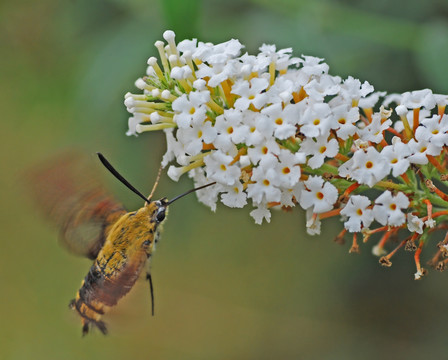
(160, 216)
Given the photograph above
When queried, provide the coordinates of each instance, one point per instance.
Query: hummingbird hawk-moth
(94, 225)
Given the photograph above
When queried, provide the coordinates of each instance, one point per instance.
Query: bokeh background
(224, 287)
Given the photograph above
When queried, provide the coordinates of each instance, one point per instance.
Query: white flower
(396, 155)
(419, 98)
(174, 149)
(352, 90)
(254, 135)
(420, 148)
(194, 137)
(316, 120)
(219, 169)
(251, 63)
(292, 195)
(323, 86)
(135, 120)
(345, 117)
(313, 223)
(370, 101)
(208, 196)
(280, 122)
(230, 129)
(418, 275)
(288, 169)
(392, 98)
(319, 149)
(387, 209)
(216, 74)
(415, 224)
(366, 166)
(191, 109)
(434, 130)
(311, 66)
(441, 100)
(281, 91)
(233, 196)
(374, 131)
(260, 213)
(265, 188)
(281, 58)
(264, 153)
(319, 195)
(358, 213)
(430, 223)
(250, 93)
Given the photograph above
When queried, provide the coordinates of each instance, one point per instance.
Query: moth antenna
(189, 192)
(159, 173)
(115, 173)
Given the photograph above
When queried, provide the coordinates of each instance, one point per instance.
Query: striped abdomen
(103, 286)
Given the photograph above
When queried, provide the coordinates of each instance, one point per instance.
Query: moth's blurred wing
(68, 192)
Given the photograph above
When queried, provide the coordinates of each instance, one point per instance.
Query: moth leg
(85, 329)
(99, 324)
(151, 289)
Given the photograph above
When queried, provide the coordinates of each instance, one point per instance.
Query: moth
(94, 225)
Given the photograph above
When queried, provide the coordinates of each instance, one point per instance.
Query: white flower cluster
(277, 130)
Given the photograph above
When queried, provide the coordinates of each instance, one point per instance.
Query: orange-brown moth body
(118, 265)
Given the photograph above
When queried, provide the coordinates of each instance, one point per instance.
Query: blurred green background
(224, 287)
